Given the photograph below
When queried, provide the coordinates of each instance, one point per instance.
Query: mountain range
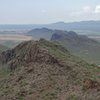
(75, 26)
(82, 25)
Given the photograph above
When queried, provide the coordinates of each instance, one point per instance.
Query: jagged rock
(6, 56)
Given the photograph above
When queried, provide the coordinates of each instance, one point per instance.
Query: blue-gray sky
(48, 11)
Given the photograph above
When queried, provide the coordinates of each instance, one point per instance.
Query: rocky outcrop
(90, 84)
(6, 56)
(27, 52)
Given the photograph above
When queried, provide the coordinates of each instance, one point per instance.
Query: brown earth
(41, 70)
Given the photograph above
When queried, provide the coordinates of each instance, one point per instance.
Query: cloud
(87, 9)
(97, 9)
(84, 11)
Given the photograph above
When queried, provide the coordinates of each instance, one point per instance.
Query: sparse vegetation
(3, 48)
(79, 45)
(43, 70)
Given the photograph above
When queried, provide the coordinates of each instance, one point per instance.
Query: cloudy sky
(48, 11)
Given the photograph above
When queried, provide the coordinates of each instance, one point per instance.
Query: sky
(48, 11)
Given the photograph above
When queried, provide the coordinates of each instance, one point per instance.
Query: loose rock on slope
(41, 70)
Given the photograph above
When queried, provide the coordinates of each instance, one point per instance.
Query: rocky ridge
(42, 70)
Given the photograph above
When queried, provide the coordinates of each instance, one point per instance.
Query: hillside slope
(2, 48)
(42, 70)
(79, 45)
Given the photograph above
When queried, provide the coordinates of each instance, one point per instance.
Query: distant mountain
(44, 33)
(61, 35)
(42, 70)
(79, 45)
(41, 33)
(82, 25)
(47, 33)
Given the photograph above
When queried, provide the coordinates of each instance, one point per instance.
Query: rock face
(42, 70)
(6, 56)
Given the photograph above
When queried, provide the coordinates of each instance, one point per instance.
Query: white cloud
(97, 9)
(87, 9)
(84, 11)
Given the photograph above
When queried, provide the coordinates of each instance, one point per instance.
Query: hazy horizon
(48, 11)
(48, 22)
